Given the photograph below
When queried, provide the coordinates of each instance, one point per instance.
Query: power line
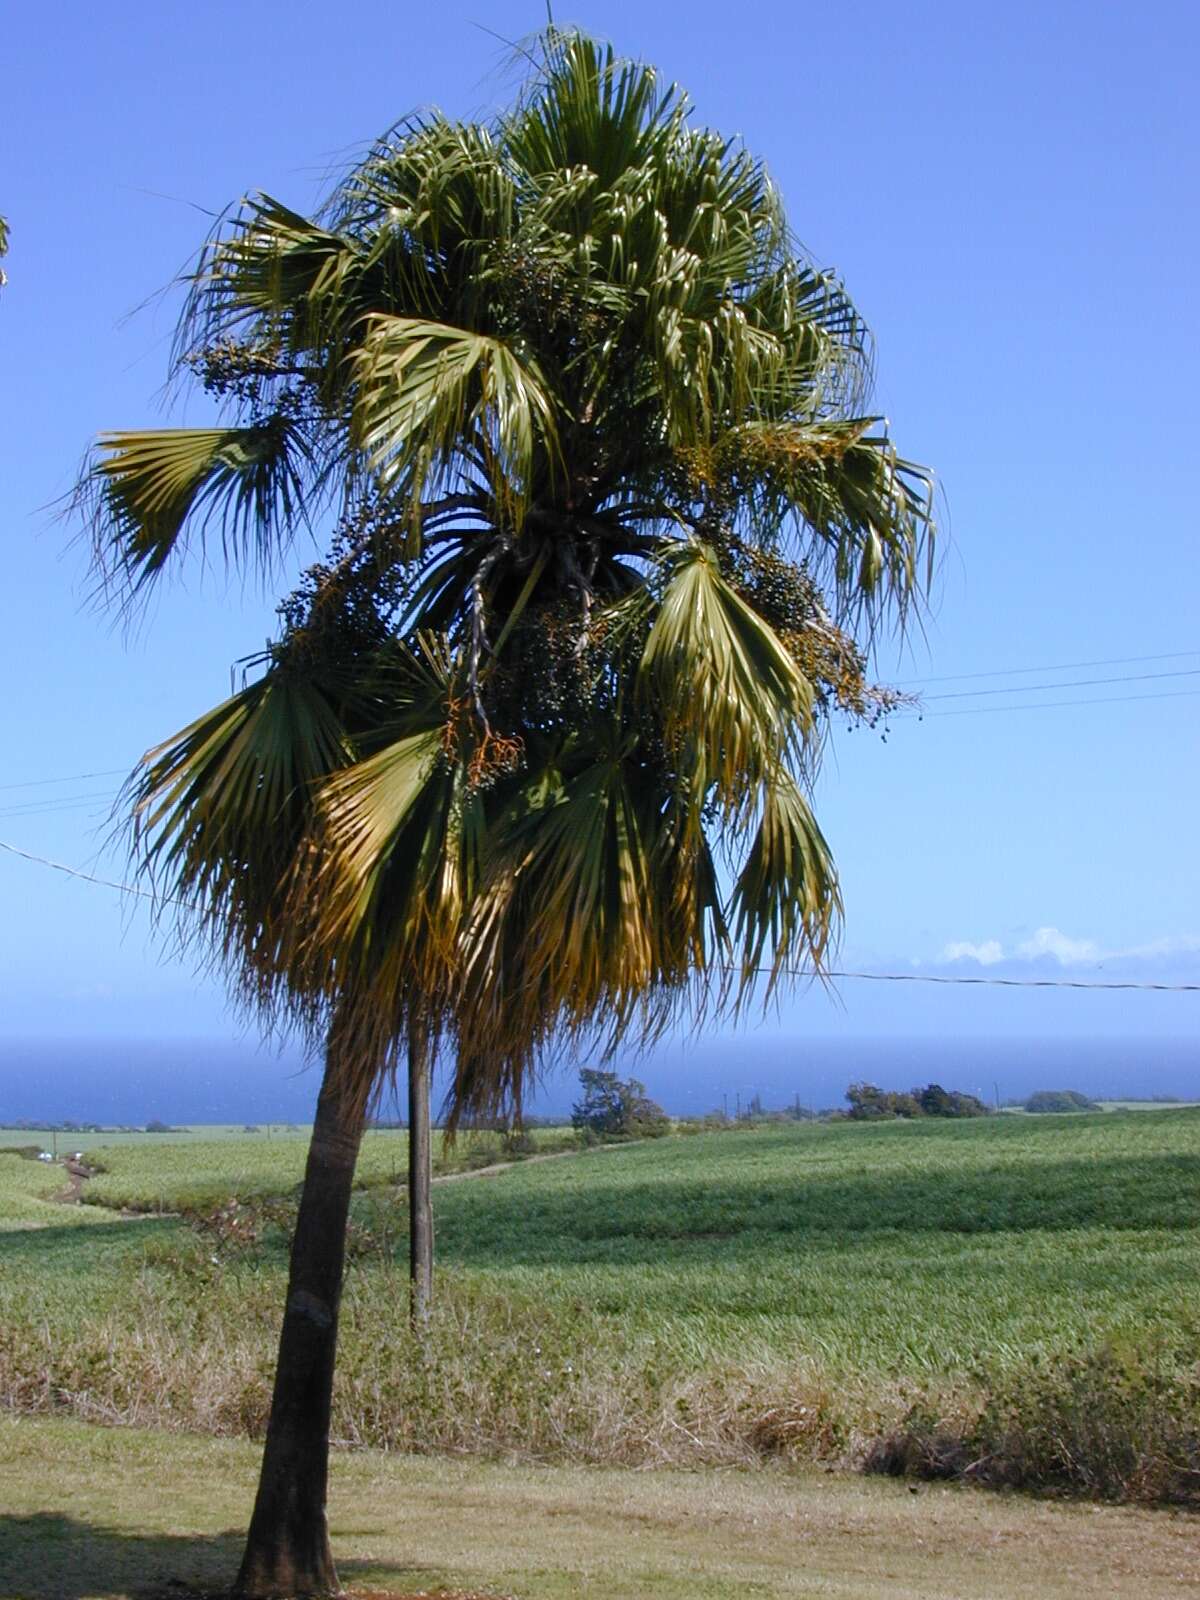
(1009, 983)
(1077, 683)
(41, 807)
(961, 677)
(1047, 705)
(88, 877)
(75, 777)
(868, 977)
(1064, 666)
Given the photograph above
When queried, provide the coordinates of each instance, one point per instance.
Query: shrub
(1111, 1423)
(1051, 1100)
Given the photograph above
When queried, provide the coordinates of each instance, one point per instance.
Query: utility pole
(420, 1207)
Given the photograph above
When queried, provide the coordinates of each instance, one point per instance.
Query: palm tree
(529, 764)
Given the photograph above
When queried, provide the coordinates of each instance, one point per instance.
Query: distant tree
(616, 1108)
(934, 1100)
(869, 1103)
(1052, 1100)
(906, 1105)
(968, 1105)
(155, 1126)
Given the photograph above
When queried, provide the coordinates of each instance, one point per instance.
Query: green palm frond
(150, 486)
(734, 702)
(786, 904)
(423, 388)
(433, 203)
(839, 490)
(592, 920)
(271, 268)
(221, 809)
(392, 873)
(589, 108)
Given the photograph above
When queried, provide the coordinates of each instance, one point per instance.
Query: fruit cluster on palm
(528, 764)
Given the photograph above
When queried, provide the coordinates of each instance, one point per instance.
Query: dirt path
(72, 1195)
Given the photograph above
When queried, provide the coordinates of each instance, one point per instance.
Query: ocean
(132, 1081)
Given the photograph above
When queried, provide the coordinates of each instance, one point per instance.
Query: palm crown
(608, 509)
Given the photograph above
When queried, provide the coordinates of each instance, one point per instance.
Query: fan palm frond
(423, 387)
(154, 486)
(838, 490)
(274, 275)
(590, 920)
(390, 874)
(732, 697)
(786, 903)
(220, 812)
(588, 107)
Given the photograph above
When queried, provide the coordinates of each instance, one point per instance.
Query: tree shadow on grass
(49, 1556)
(79, 1247)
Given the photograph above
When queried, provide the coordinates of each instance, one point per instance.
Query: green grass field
(150, 1176)
(791, 1290)
(27, 1190)
(200, 1166)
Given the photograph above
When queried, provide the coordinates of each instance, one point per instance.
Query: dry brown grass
(493, 1379)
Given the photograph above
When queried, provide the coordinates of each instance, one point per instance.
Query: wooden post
(420, 1208)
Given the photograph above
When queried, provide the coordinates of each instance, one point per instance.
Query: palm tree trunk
(420, 1208)
(287, 1549)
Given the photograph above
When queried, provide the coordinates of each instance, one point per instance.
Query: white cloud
(1065, 950)
(986, 954)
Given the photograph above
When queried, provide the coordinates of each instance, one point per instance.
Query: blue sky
(1009, 191)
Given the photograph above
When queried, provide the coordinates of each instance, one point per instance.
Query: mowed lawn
(120, 1514)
